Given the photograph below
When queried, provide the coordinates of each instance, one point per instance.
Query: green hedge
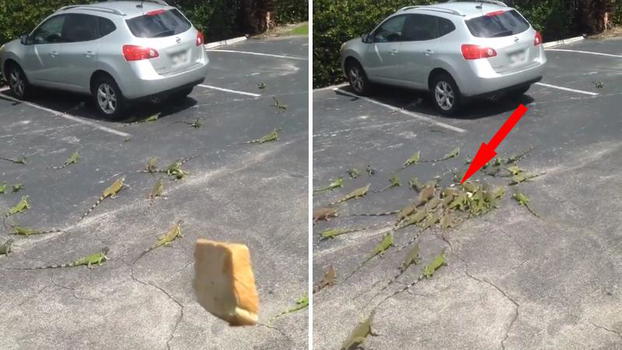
(336, 21)
(219, 19)
(292, 11)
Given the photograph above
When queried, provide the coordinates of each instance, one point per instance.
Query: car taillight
(155, 12)
(495, 13)
(137, 53)
(538, 39)
(474, 52)
(200, 39)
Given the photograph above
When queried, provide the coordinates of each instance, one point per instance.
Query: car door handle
(393, 52)
(53, 53)
(88, 54)
(428, 52)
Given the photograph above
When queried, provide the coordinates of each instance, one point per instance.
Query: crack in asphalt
(619, 334)
(181, 306)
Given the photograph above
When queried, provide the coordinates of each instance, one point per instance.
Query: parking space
(249, 193)
(512, 280)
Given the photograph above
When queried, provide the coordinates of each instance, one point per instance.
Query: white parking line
(331, 87)
(70, 117)
(586, 52)
(262, 54)
(568, 89)
(408, 113)
(229, 90)
(4, 89)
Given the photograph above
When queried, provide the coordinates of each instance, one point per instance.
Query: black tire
(445, 94)
(107, 97)
(358, 78)
(181, 94)
(18, 82)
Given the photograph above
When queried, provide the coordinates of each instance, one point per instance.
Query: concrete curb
(224, 42)
(563, 42)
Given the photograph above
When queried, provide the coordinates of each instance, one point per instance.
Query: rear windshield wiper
(164, 33)
(503, 33)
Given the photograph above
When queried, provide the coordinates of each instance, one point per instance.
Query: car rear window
(497, 24)
(159, 23)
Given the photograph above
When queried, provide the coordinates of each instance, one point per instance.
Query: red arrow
(487, 151)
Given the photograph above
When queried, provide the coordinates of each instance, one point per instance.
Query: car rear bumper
(480, 80)
(143, 81)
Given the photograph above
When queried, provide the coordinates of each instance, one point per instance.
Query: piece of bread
(224, 282)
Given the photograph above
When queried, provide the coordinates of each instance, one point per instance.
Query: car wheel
(181, 94)
(108, 98)
(445, 94)
(358, 79)
(20, 87)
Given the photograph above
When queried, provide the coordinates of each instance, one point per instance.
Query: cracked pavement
(512, 280)
(252, 194)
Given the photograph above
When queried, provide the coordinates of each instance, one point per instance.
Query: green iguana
(353, 173)
(453, 154)
(598, 84)
(357, 193)
(17, 188)
(278, 105)
(334, 232)
(386, 243)
(301, 304)
(415, 184)
(195, 124)
(152, 166)
(21, 160)
(110, 191)
(414, 159)
(25, 231)
(3, 188)
(522, 177)
(261, 85)
(394, 181)
(335, 184)
(88, 261)
(329, 279)
(429, 270)
(157, 190)
(359, 334)
(165, 239)
(6, 247)
(412, 219)
(21, 206)
(74, 158)
(270, 137)
(323, 214)
(411, 258)
(523, 200)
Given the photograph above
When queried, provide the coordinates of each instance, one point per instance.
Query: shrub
(291, 11)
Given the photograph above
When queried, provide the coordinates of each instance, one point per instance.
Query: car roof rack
(432, 8)
(93, 8)
(159, 2)
(494, 2)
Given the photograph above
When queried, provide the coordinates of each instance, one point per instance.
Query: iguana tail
(92, 208)
(46, 267)
(532, 211)
(386, 213)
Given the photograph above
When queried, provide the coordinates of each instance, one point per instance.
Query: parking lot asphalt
(512, 280)
(254, 194)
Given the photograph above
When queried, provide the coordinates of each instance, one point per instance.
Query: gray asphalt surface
(513, 281)
(252, 194)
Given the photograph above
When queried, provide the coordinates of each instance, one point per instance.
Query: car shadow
(419, 102)
(82, 106)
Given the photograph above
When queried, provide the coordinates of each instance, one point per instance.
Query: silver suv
(116, 51)
(454, 50)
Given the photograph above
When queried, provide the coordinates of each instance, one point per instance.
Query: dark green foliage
(218, 19)
(291, 11)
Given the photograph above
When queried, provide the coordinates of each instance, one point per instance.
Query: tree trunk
(593, 15)
(257, 15)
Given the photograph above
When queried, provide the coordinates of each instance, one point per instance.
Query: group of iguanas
(434, 206)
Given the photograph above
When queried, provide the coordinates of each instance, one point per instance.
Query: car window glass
(497, 25)
(78, 27)
(421, 27)
(445, 26)
(391, 30)
(50, 31)
(105, 27)
(158, 24)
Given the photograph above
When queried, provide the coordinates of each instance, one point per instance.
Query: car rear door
(79, 56)
(42, 59)
(510, 35)
(381, 60)
(167, 31)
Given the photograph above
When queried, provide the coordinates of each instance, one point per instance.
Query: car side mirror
(366, 38)
(24, 39)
